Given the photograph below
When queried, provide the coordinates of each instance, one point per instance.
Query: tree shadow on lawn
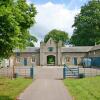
(5, 98)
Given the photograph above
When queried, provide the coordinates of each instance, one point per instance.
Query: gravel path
(46, 88)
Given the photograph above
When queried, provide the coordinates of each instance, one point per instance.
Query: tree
(87, 25)
(56, 35)
(31, 40)
(16, 17)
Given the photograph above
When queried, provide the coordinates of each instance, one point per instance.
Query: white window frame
(94, 52)
(18, 60)
(67, 59)
(33, 57)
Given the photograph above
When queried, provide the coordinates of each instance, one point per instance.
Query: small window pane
(50, 48)
(18, 59)
(17, 54)
(33, 59)
(67, 59)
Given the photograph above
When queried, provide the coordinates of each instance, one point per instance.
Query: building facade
(55, 54)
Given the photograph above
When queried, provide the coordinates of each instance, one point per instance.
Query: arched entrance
(51, 60)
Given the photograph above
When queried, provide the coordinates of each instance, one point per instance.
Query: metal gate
(76, 72)
(70, 72)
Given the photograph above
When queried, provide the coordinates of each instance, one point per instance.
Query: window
(50, 48)
(18, 60)
(33, 59)
(17, 54)
(25, 62)
(94, 53)
(67, 59)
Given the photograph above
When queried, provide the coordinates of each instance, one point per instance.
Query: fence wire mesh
(19, 71)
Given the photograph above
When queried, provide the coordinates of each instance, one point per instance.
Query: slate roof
(76, 49)
(97, 47)
(28, 49)
(64, 49)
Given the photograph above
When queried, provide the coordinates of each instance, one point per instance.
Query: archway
(51, 60)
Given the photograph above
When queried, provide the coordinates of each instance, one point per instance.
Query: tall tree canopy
(87, 25)
(31, 40)
(56, 35)
(16, 17)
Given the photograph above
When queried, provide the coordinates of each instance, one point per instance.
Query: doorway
(25, 61)
(51, 60)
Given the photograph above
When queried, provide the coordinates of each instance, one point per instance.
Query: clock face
(50, 48)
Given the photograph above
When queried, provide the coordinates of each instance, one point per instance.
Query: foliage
(31, 40)
(51, 60)
(10, 89)
(84, 89)
(87, 25)
(16, 17)
(56, 35)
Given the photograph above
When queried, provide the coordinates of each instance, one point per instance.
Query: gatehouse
(55, 54)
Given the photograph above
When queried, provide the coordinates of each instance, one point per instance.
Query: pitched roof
(28, 49)
(97, 47)
(76, 49)
(63, 49)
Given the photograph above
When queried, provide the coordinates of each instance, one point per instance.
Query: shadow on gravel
(58, 78)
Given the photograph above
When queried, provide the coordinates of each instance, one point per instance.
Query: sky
(54, 14)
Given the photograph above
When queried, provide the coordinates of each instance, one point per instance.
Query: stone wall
(95, 53)
(44, 51)
(19, 60)
(68, 58)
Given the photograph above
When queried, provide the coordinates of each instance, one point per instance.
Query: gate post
(32, 72)
(64, 72)
(78, 72)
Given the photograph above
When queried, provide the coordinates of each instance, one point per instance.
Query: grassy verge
(10, 89)
(84, 89)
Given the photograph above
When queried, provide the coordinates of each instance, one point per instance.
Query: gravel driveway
(46, 86)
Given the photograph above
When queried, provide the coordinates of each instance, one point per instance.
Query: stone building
(52, 53)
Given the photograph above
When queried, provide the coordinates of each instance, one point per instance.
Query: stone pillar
(59, 53)
(41, 54)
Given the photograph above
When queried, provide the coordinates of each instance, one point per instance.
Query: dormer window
(50, 48)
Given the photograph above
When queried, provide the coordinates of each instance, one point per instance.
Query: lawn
(84, 89)
(10, 89)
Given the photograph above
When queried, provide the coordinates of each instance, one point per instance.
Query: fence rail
(66, 71)
(76, 71)
(6, 72)
(70, 72)
(88, 72)
(18, 71)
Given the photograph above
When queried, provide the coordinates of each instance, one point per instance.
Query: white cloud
(51, 16)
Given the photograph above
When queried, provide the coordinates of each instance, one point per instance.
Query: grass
(84, 89)
(10, 89)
